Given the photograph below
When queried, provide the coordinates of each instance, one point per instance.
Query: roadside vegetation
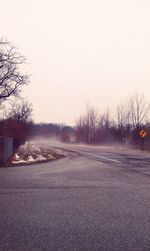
(34, 152)
(122, 126)
(15, 111)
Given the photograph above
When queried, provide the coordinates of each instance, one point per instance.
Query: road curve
(94, 199)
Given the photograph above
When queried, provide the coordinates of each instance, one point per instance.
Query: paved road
(96, 199)
(130, 159)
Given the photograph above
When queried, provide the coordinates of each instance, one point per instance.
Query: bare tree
(92, 122)
(104, 126)
(105, 120)
(138, 110)
(121, 128)
(11, 79)
(20, 111)
(17, 123)
(86, 125)
(80, 129)
(121, 115)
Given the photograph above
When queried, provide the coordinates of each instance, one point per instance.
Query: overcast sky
(80, 51)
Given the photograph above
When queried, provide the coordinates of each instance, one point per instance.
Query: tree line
(120, 126)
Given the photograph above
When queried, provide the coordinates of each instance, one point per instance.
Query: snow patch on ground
(31, 152)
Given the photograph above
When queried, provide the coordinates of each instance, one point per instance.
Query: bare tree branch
(20, 111)
(11, 79)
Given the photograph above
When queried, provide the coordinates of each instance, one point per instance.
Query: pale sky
(81, 51)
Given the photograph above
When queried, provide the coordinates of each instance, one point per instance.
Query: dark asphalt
(94, 200)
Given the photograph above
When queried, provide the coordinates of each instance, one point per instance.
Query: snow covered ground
(32, 152)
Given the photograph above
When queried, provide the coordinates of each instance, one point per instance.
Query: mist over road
(134, 160)
(94, 199)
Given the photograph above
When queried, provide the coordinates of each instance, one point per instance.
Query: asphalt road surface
(94, 199)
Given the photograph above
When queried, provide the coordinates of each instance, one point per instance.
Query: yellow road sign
(143, 134)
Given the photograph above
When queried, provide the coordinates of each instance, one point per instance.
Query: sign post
(142, 134)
